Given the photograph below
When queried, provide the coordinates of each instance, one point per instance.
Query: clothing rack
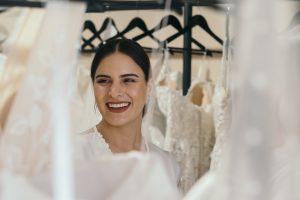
(98, 37)
(115, 5)
(112, 5)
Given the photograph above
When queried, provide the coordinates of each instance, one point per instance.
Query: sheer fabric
(17, 48)
(11, 24)
(138, 178)
(261, 160)
(83, 102)
(39, 114)
(35, 146)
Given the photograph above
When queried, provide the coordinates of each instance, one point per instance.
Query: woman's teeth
(117, 105)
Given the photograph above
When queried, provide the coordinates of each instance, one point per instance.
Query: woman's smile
(117, 107)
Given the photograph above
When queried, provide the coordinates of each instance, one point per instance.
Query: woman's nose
(115, 90)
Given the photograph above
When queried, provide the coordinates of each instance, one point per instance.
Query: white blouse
(92, 145)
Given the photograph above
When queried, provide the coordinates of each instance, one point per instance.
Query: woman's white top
(92, 146)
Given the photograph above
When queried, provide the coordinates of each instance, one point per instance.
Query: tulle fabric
(38, 146)
(137, 178)
(261, 159)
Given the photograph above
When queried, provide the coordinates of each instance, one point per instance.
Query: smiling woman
(121, 73)
(121, 91)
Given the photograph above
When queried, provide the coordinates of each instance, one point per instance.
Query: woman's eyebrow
(102, 75)
(126, 75)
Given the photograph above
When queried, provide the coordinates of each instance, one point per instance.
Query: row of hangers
(137, 22)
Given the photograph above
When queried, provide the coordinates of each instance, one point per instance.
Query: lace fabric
(91, 145)
(39, 113)
(221, 112)
(40, 122)
(189, 137)
(189, 128)
(221, 100)
(156, 121)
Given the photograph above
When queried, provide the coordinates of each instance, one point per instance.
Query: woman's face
(120, 90)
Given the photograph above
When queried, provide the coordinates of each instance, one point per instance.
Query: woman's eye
(129, 80)
(103, 81)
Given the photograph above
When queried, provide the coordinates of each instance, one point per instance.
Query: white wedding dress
(221, 103)
(36, 149)
(189, 127)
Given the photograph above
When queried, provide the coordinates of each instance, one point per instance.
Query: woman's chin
(117, 122)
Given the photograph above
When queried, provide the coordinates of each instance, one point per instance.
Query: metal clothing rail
(93, 5)
(20, 3)
(187, 54)
(112, 5)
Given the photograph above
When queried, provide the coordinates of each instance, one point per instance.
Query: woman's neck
(121, 139)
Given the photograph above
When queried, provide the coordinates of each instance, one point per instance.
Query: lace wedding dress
(189, 127)
(221, 103)
(156, 109)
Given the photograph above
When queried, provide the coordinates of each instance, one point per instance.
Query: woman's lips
(117, 107)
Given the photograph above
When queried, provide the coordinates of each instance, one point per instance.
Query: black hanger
(169, 20)
(96, 34)
(197, 20)
(202, 48)
(88, 42)
(166, 21)
(135, 23)
(107, 21)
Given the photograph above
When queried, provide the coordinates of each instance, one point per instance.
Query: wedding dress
(261, 159)
(10, 24)
(221, 102)
(36, 149)
(16, 46)
(189, 127)
(155, 119)
(39, 121)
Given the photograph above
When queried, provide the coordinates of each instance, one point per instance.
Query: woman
(120, 73)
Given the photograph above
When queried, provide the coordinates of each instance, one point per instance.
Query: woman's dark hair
(127, 47)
